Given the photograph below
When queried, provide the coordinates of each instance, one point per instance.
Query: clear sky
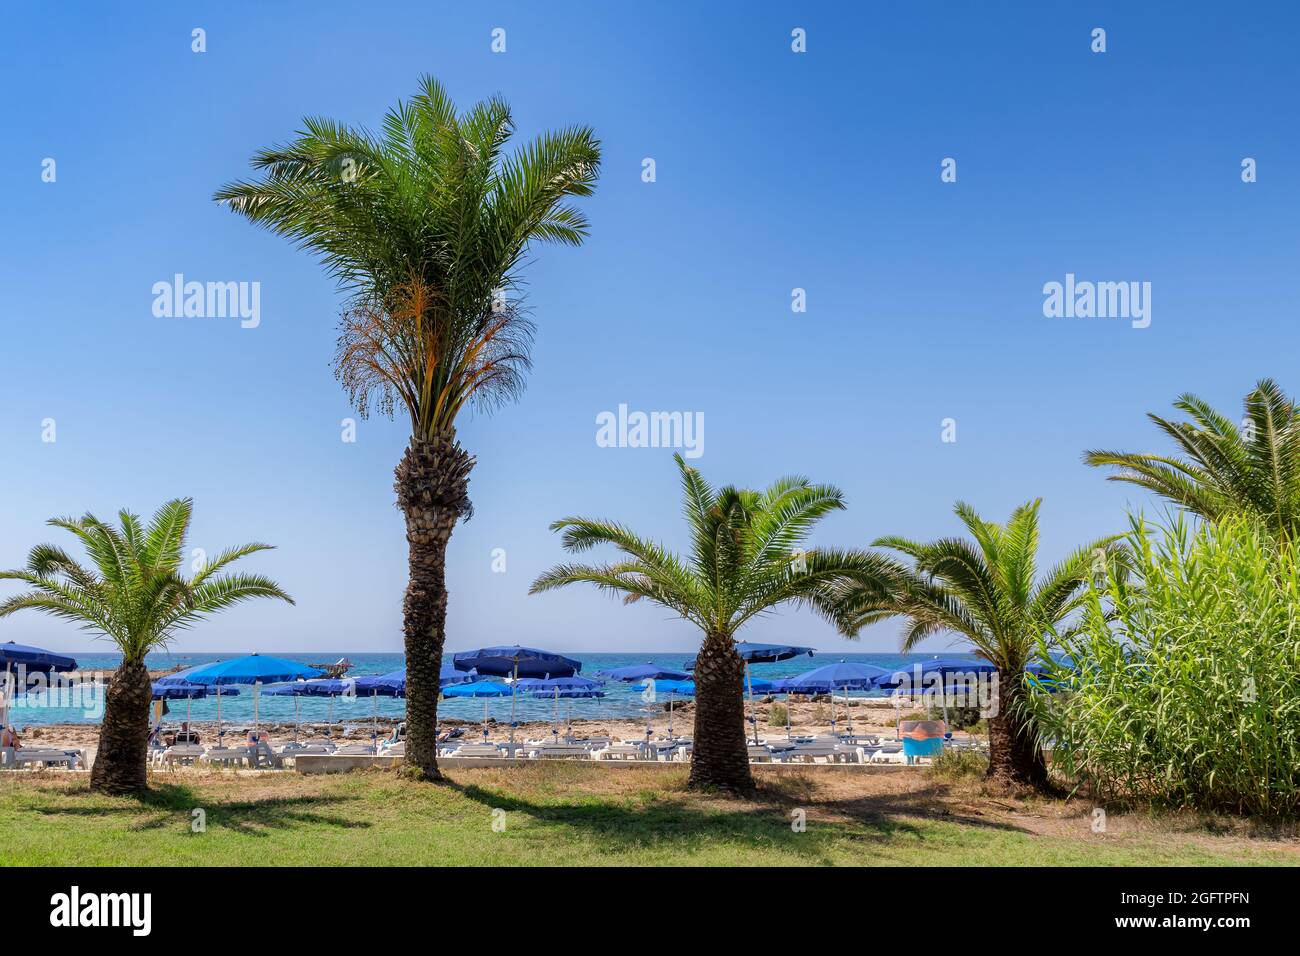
(775, 170)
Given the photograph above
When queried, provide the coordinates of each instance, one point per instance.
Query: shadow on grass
(935, 801)
(667, 821)
(173, 803)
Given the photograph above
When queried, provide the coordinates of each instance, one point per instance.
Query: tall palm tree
(744, 561)
(986, 591)
(135, 595)
(425, 224)
(1228, 468)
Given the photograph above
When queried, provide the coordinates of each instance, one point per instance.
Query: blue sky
(775, 170)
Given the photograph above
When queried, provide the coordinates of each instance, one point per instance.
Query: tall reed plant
(1187, 692)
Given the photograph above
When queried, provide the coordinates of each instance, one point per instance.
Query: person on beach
(9, 739)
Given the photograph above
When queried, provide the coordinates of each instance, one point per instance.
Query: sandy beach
(868, 715)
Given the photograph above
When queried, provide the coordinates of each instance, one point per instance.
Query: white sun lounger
(43, 757)
(226, 756)
(623, 751)
(552, 750)
(476, 750)
(354, 750)
(183, 754)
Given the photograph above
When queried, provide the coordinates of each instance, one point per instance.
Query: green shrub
(1190, 691)
(778, 715)
(959, 765)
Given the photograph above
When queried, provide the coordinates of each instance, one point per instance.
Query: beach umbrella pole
(220, 735)
(4, 696)
(514, 692)
(297, 717)
(750, 684)
(374, 722)
(485, 716)
(848, 714)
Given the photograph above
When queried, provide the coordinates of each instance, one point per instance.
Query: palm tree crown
(425, 223)
(134, 592)
(744, 561)
(986, 590)
(1251, 468)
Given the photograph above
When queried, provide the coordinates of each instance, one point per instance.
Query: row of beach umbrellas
(542, 674)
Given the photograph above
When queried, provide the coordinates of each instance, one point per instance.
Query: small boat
(337, 669)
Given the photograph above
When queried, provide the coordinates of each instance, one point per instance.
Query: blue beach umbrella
(484, 689)
(752, 653)
(560, 683)
(553, 688)
(13, 655)
(674, 689)
(478, 688)
(163, 691)
(188, 692)
(26, 660)
(515, 662)
(829, 678)
(844, 675)
(253, 670)
(330, 687)
(646, 671)
(765, 654)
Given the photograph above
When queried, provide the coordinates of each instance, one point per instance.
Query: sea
(620, 700)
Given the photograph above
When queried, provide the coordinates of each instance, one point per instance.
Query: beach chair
(623, 751)
(889, 754)
(45, 757)
(261, 755)
(823, 748)
(393, 750)
(551, 750)
(183, 754)
(226, 756)
(477, 750)
(354, 750)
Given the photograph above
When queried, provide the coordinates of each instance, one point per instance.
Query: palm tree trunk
(1014, 754)
(432, 492)
(121, 760)
(720, 757)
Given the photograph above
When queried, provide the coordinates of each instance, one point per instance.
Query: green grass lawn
(572, 815)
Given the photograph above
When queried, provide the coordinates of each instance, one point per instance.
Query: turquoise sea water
(621, 700)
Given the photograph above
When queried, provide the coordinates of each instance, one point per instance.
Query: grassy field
(565, 814)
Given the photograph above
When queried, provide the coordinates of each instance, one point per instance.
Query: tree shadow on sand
(174, 804)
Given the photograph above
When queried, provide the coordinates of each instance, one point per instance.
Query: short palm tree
(987, 592)
(745, 561)
(425, 224)
(135, 595)
(1227, 468)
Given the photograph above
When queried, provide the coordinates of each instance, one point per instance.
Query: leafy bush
(959, 765)
(778, 715)
(1190, 691)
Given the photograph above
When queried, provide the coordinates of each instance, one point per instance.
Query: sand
(868, 715)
